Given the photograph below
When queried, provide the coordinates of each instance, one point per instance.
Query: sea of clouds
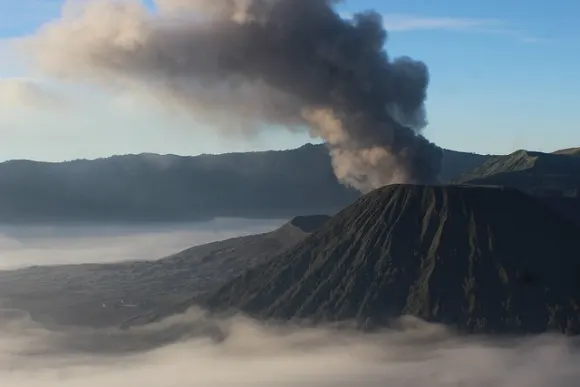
(75, 243)
(250, 354)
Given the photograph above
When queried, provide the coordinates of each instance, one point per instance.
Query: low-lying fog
(27, 245)
(259, 356)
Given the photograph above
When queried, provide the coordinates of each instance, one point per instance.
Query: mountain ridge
(147, 187)
(538, 173)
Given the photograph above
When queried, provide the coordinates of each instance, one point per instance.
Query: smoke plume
(260, 64)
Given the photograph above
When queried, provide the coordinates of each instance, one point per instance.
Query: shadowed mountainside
(568, 208)
(108, 294)
(149, 187)
(481, 259)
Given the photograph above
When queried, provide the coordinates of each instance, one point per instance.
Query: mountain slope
(478, 258)
(568, 151)
(153, 187)
(568, 208)
(108, 294)
(546, 174)
(456, 163)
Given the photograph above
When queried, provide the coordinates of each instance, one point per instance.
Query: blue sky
(503, 77)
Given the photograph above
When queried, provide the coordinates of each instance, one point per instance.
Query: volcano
(479, 259)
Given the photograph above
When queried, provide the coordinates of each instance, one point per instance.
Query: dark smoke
(261, 63)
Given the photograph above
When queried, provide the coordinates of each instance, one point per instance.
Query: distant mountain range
(150, 187)
(480, 259)
(543, 174)
(272, 184)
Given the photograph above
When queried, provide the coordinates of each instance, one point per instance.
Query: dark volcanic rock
(480, 259)
(309, 224)
(567, 207)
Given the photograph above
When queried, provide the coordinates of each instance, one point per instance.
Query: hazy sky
(503, 77)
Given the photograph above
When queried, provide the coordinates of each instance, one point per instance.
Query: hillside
(568, 151)
(151, 187)
(481, 259)
(544, 174)
(456, 163)
(108, 294)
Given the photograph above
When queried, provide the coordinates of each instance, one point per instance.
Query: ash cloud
(197, 350)
(253, 65)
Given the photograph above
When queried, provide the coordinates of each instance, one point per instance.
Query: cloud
(240, 352)
(30, 245)
(410, 23)
(23, 92)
